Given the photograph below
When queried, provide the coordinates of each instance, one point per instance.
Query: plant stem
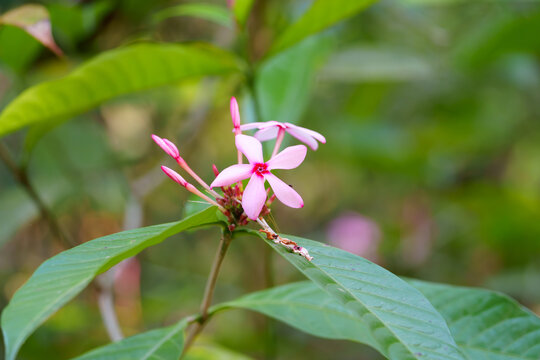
(209, 290)
(21, 176)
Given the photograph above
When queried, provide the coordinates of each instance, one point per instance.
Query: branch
(209, 290)
(21, 176)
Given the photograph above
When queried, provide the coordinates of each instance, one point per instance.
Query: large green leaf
(113, 73)
(319, 16)
(396, 319)
(159, 344)
(306, 307)
(486, 324)
(62, 277)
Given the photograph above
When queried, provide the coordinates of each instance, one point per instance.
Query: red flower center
(260, 169)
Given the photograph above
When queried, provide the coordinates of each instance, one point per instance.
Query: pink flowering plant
(253, 202)
(346, 294)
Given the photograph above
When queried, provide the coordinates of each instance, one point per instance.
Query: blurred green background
(431, 111)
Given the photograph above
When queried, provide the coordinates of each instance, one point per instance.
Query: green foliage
(485, 324)
(319, 16)
(17, 48)
(396, 319)
(111, 74)
(283, 82)
(62, 277)
(165, 343)
(241, 10)
(215, 13)
(510, 33)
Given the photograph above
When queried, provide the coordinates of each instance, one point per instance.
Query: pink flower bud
(175, 176)
(167, 146)
(215, 169)
(235, 114)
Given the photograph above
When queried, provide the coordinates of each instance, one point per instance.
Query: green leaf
(34, 19)
(493, 38)
(159, 344)
(485, 324)
(283, 83)
(111, 74)
(396, 319)
(215, 13)
(241, 9)
(306, 307)
(212, 352)
(321, 15)
(62, 277)
(17, 48)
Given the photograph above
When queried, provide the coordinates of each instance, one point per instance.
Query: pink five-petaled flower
(271, 129)
(258, 171)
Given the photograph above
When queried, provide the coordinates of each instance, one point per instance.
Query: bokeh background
(431, 112)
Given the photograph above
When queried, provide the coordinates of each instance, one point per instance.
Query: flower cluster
(237, 203)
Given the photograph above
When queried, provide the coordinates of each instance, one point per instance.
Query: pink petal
(235, 113)
(267, 133)
(174, 175)
(285, 193)
(272, 123)
(312, 133)
(254, 197)
(232, 174)
(253, 125)
(303, 137)
(166, 146)
(289, 158)
(250, 147)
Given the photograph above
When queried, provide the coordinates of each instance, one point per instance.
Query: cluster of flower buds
(239, 204)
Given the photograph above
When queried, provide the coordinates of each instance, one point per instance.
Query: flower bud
(167, 146)
(235, 114)
(175, 176)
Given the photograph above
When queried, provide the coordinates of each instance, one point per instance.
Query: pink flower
(270, 130)
(259, 171)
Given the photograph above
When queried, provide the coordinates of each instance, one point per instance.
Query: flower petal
(303, 137)
(312, 133)
(254, 197)
(289, 158)
(285, 193)
(250, 126)
(232, 174)
(250, 147)
(267, 133)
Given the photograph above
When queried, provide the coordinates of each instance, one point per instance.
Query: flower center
(260, 169)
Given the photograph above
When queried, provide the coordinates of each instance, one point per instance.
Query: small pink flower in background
(356, 234)
(258, 171)
(272, 129)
